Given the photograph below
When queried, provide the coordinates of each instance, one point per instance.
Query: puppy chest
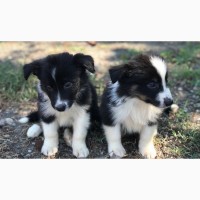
(66, 118)
(133, 117)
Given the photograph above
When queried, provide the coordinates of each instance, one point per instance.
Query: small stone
(6, 135)
(2, 122)
(29, 151)
(9, 121)
(197, 111)
(197, 105)
(180, 89)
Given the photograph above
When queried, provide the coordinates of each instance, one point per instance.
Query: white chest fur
(134, 114)
(68, 117)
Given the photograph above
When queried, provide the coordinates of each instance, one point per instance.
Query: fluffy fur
(133, 102)
(66, 98)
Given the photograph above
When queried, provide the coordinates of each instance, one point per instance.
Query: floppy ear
(31, 68)
(116, 73)
(84, 61)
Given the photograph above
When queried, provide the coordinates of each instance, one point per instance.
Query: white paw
(148, 152)
(34, 131)
(80, 150)
(68, 137)
(23, 120)
(50, 147)
(117, 150)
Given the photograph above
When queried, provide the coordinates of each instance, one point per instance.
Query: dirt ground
(13, 140)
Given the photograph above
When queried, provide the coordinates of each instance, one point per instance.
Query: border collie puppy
(66, 98)
(133, 102)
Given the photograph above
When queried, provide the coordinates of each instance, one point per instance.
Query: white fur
(162, 95)
(161, 68)
(133, 115)
(146, 146)
(53, 73)
(59, 101)
(114, 97)
(34, 131)
(113, 137)
(50, 146)
(68, 137)
(80, 127)
(76, 116)
(23, 120)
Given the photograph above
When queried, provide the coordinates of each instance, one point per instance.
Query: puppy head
(145, 78)
(61, 76)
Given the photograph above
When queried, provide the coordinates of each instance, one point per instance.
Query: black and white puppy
(133, 102)
(66, 98)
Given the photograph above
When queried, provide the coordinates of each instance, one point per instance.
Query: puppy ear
(84, 61)
(31, 68)
(116, 73)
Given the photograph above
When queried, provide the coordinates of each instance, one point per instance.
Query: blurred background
(179, 132)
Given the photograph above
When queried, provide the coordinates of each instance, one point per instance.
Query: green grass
(183, 55)
(13, 85)
(186, 136)
(129, 54)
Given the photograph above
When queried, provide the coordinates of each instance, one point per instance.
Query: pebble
(180, 89)
(29, 151)
(2, 122)
(9, 121)
(7, 136)
(197, 111)
(197, 105)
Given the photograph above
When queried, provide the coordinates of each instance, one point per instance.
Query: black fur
(135, 79)
(70, 72)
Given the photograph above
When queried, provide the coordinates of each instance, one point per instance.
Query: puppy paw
(80, 150)
(49, 148)
(116, 150)
(148, 152)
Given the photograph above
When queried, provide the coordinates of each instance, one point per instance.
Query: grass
(13, 85)
(186, 69)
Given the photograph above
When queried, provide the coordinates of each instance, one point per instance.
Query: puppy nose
(60, 107)
(168, 101)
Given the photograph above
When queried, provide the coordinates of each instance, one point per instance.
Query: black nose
(168, 101)
(60, 107)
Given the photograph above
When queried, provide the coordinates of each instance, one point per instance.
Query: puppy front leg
(113, 137)
(50, 145)
(80, 127)
(146, 146)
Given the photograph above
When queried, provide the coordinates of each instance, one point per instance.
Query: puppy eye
(67, 85)
(152, 85)
(49, 88)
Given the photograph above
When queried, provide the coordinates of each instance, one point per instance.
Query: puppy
(133, 102)
(66, 98)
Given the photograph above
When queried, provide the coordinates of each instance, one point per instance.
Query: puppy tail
(32, 117)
